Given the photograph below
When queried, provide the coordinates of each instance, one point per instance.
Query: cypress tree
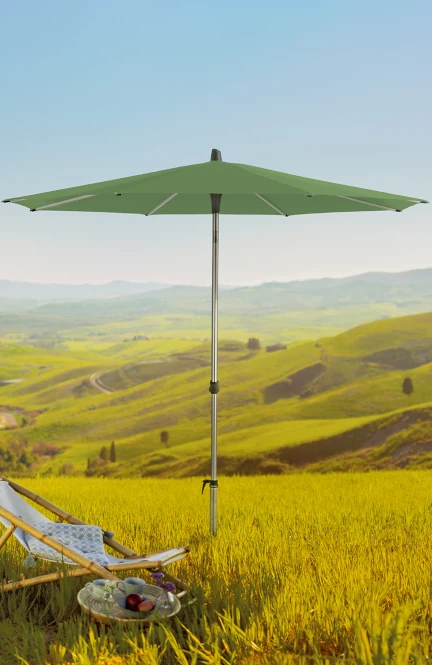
(113, 454)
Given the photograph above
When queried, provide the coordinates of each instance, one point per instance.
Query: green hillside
(52, 316)
(329, 393)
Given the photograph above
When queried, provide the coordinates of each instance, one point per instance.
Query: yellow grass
(305, 569)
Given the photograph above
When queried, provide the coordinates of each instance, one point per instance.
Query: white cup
(131, 585)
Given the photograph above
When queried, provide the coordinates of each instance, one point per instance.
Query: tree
(275, 347)
(66, 470)
(25, 458)
(164, 437)
(253, 344)
(104, 454)
(407, 387)
(88, 463)
(97, 466)
(113, 453)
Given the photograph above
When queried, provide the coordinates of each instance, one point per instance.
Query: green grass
(404, 331)
(290, 327)
(305, 569)
(239, 442)
(264, 438)
(366, 397)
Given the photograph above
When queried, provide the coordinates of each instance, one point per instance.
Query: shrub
(66, 470)
(164, 437)
(407, 387)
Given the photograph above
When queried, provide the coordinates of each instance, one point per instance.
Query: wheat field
(305, 568)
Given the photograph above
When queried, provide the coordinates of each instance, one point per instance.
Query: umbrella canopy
(246, 190)
(215, 187)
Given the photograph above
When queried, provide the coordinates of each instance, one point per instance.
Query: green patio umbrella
(215, 187)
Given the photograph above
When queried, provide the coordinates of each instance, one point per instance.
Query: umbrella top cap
(216, 155)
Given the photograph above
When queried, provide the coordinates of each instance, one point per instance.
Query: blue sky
(333, 90)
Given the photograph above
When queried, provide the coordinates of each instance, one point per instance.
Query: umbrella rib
(366, 203)
(60, 203)
(281, 212)
(162, 203)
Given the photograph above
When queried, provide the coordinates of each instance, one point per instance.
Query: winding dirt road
(97, 382)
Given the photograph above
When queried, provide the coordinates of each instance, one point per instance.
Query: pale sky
(111, 89)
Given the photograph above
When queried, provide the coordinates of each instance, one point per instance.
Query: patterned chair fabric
(83, 539)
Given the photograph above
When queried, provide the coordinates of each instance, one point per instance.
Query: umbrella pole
(214, 385)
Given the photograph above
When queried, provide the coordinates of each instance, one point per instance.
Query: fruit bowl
(107, 611)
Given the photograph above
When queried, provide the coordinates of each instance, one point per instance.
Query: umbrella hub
(216, 156)
(216, 201)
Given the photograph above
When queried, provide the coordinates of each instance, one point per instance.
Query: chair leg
(42, 579)
(6, 535)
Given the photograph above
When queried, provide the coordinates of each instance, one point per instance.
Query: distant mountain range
(29, 291)
(410, 289)
(339, 303)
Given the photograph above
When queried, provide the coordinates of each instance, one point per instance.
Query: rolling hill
(332, 403)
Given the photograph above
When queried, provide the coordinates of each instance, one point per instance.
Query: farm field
(305, 568)
(271, 327)
(335, 403)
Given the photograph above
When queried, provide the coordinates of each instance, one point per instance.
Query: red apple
(147, 605)
(132, 601)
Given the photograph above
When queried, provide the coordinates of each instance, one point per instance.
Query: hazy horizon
(208, 284)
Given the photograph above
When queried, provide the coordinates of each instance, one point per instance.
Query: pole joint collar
(214, 387)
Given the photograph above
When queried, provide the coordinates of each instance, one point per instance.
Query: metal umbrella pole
(214, 383)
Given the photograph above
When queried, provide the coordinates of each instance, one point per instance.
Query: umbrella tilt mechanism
(207, 481)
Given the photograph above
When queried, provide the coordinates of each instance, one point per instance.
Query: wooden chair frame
(86, 566)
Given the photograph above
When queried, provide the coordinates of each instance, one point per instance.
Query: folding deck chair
(71, 541)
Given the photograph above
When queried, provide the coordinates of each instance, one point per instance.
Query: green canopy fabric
(246, 190)
(216, 187)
